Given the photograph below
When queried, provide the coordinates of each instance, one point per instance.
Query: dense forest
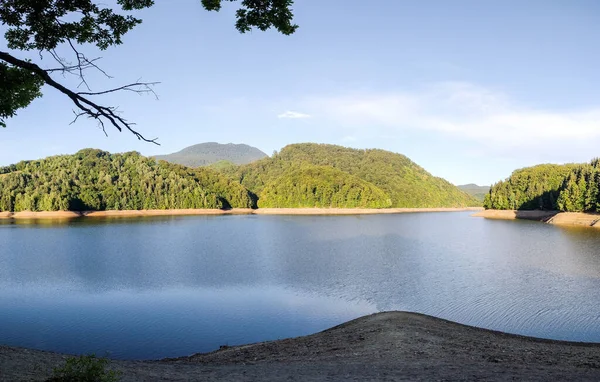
(205, 154)
(96, 180)
(301, 175)
(405, 183)
(321, 186)
(570, 188)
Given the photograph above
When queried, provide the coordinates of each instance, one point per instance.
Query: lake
(148, 288)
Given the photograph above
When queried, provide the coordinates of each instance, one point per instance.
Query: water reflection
(137, 286)
(165, 323)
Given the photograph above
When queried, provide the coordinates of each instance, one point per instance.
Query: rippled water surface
(163, 287)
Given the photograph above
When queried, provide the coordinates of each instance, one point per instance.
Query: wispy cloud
(460, 110)
(293, 115)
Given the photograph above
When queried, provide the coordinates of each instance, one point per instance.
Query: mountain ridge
(304, 175)
(476, 191)
(207, 153)
(404, 182)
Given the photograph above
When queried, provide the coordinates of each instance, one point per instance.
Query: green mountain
(205, 154)
(321, 186)
(478, 192)
(569, 187)
(301, 175)
(404, 183)
(96, 180)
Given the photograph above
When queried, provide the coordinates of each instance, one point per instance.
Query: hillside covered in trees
(300, 176)
(569, 188)
(96, 180)
(205, 154)
(387, 179)
(322, 186)
(478, 192)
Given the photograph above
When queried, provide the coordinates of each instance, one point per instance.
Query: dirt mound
(383, 346)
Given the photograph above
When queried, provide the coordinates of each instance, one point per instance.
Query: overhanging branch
(87, 107)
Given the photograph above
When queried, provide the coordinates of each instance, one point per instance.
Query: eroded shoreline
(233, 211)
(576, 219)
(382, 346)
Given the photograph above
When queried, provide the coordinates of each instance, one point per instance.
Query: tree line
(568, 188)
(301, 175)
(97, 180)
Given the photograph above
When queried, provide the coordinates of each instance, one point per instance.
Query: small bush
(85, 368)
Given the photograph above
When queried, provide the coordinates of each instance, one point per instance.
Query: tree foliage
(405, 183)
(85, 368)
(45, 25)
(18, 88)
(96, 180)
(322, 187)
(569, 188)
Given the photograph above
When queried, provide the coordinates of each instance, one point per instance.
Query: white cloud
(293, 115)
(460, 110)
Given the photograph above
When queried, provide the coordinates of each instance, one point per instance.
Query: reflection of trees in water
(499, 274)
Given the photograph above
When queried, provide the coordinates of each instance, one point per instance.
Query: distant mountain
(205, 154)
(311, 175)
(478, 192)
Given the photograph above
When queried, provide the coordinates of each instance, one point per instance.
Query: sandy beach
(579, 219)
(235, 211)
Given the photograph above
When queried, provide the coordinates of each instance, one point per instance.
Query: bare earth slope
(383, 346)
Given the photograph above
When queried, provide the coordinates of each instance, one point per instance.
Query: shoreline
(234, 211)
(574, 219)
(387, 345)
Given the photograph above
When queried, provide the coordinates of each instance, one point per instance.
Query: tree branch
(87, 107)
(72, 68)
(142, 87)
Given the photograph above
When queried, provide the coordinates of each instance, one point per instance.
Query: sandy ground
(384, 346)
(551, 217)
(576, 219)
(354, 211)
(234, 211)
(514, 214)
(40, 215)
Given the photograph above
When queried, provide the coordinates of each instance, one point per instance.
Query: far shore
(233, 211)
(579, 219)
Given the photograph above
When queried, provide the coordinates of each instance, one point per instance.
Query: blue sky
(470, 90)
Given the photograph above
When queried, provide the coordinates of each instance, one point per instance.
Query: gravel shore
(382, 346)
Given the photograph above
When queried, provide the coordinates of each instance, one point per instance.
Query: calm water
(157, 287)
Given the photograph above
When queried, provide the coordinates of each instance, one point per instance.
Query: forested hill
(478, 192)
(389, 179)
(322, 187)
(96, 180)
(569, 187)
(204, 154)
